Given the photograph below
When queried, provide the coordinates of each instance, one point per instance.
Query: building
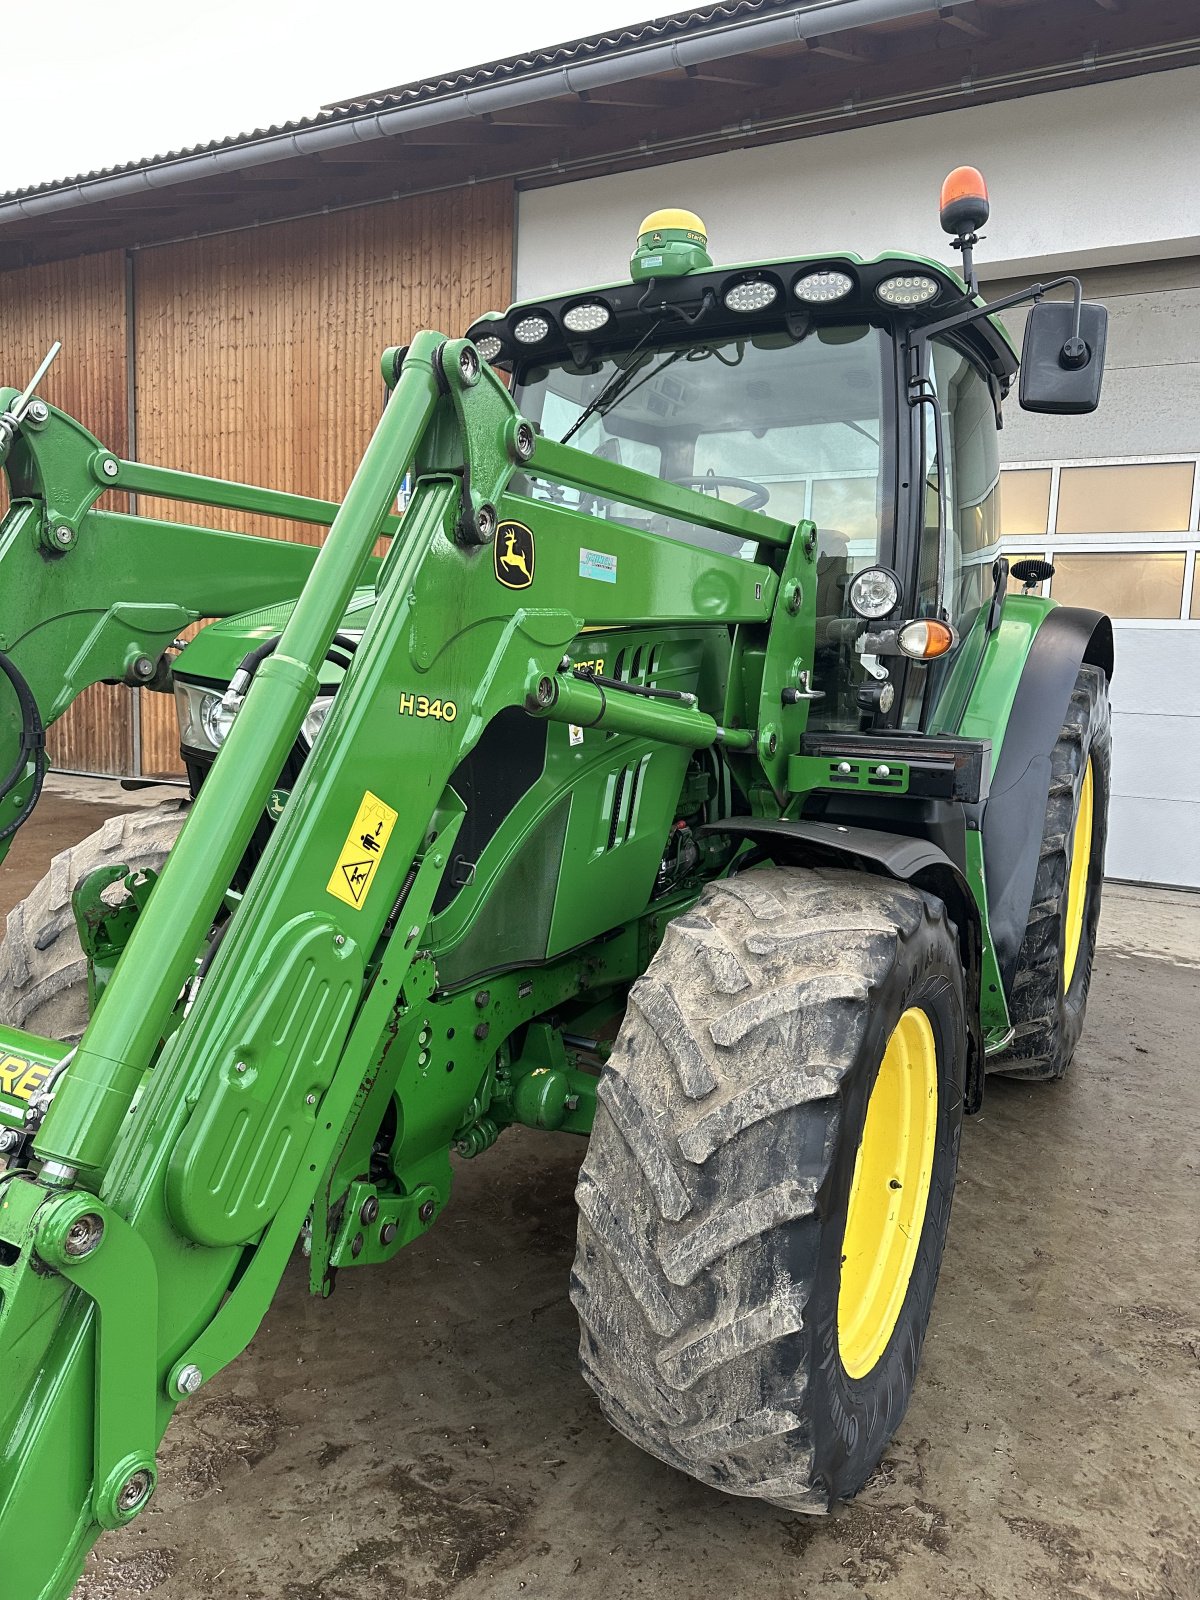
(223, 308)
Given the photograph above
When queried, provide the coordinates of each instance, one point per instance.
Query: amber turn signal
(964, 203)
(926, 639)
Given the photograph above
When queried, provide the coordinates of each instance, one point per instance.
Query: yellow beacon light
(670, 243)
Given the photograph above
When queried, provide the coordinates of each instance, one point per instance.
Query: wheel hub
(888, 1194)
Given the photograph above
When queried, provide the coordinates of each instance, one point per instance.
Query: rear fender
(1011, 819)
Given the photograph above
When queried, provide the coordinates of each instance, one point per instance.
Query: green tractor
(684, 775)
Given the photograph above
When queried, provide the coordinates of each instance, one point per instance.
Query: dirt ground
(425, 1433)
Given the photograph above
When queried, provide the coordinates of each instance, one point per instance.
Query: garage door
(1122, 536)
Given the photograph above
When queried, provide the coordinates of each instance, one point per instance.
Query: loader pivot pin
(84, 1235)
(134, 1491)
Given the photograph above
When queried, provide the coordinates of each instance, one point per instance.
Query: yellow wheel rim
(888, 1194)
(1081, 860)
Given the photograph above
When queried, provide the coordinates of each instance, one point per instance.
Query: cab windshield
(790, 426)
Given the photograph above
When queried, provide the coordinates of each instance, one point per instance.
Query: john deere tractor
(684, 776)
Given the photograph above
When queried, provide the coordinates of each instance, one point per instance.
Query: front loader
(684, 776)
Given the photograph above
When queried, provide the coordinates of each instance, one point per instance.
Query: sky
(94, 83)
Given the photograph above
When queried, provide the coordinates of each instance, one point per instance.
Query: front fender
(891, 855)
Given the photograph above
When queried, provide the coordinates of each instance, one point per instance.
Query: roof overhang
(749, 71)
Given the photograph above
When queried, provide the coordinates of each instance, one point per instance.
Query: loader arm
(89, 594)
(168, 1183)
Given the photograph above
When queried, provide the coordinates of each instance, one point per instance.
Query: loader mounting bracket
(117, 1274)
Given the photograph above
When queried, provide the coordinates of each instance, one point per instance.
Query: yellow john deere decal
(21, 1077)
(512, 555)
(363, 851)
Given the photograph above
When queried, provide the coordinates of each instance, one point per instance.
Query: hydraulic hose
(32, 748)
(254, 659)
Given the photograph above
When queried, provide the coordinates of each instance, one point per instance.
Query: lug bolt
(482, 1030)
(844, 769)
(189, 1380)
(37, 411)
(83, 1236)
(482, 998)
(143, 667)
(882, 771)
(339, 939)
(356, 1245)
(135, 1492)
(388, 1232)
(10, 1138)
(110, 467)
(369, 1210)
(63, 536)
(524, 441)
(426, 1211)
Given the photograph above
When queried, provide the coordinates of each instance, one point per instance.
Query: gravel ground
(425, 1433)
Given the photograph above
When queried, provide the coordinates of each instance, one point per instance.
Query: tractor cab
(863, 397)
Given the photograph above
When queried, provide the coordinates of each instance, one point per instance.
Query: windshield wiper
(613, 389)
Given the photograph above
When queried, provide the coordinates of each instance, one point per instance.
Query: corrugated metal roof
(610, 43)
(694, 20)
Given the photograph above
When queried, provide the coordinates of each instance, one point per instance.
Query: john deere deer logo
(513, 555)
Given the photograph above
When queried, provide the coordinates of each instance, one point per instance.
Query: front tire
(43, 970)
(728, 1324)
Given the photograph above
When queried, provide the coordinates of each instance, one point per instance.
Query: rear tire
(43, 970)
(715, 1191)
(1054, 969)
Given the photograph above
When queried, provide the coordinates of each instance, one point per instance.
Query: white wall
(1089, 176)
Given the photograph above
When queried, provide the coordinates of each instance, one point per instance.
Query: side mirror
(1060, 374)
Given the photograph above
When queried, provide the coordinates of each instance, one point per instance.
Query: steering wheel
(757, 494)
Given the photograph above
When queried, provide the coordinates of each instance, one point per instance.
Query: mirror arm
(1074, 352)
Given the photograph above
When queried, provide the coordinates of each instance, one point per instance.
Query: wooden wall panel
(81, 302)
(257, 352)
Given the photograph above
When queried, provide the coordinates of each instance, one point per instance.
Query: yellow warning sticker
(362, 852)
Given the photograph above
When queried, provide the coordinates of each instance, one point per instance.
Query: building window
(1025, 502)
(1147, 498)
(1122, 535)
(1137, 585)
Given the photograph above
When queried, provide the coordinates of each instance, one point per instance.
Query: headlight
(489, 346)
(216, 718)
(819, 288)
(752, 294)
(315, 720)
(874, 592)
(913, 289)
(204, 723)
